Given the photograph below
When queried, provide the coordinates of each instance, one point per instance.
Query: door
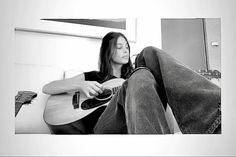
(184, 39)
(213, 42)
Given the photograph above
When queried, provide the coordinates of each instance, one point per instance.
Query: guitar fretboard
(18, 107)
(23, 97)
(18, 103)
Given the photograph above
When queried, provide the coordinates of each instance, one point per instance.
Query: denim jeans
(139, 106)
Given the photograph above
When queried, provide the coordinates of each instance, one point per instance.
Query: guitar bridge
(75, 100)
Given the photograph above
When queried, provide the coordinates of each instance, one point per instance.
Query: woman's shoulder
(93, 73)
(97, 76)
(94, 76)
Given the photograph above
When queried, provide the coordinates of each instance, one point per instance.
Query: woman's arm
(62, 86)
(76, 83)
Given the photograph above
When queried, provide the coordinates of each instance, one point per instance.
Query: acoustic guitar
(66, 108)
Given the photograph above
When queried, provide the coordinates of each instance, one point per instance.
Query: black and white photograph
(110, 78)
(117, 97)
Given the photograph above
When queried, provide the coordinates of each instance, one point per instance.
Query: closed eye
(120, 46)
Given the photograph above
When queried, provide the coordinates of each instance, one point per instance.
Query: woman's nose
(126, 50)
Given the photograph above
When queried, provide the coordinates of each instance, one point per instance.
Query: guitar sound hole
(91, 103)
(98, 100)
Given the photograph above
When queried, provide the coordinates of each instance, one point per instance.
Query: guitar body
(59, 109)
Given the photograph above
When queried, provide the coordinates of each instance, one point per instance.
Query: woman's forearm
(60, 86)
(63, 86)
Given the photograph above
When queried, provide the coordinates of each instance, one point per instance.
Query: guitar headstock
(210, 74)
(25, 97)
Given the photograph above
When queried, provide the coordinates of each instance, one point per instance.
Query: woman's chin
(125, 61)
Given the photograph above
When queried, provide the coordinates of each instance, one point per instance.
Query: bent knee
(141, 76)
(150, 50)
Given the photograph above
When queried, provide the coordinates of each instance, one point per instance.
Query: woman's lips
(125, 57)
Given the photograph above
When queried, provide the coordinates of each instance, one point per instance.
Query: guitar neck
(17, 107)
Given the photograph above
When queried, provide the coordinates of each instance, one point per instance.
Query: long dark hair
(107, 49)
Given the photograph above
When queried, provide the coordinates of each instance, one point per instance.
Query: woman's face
(121, 53)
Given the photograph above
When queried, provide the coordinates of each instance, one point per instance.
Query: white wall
(148, 33)
(59, 51)
(68, 52)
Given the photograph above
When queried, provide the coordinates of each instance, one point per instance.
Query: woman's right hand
(91, 88)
